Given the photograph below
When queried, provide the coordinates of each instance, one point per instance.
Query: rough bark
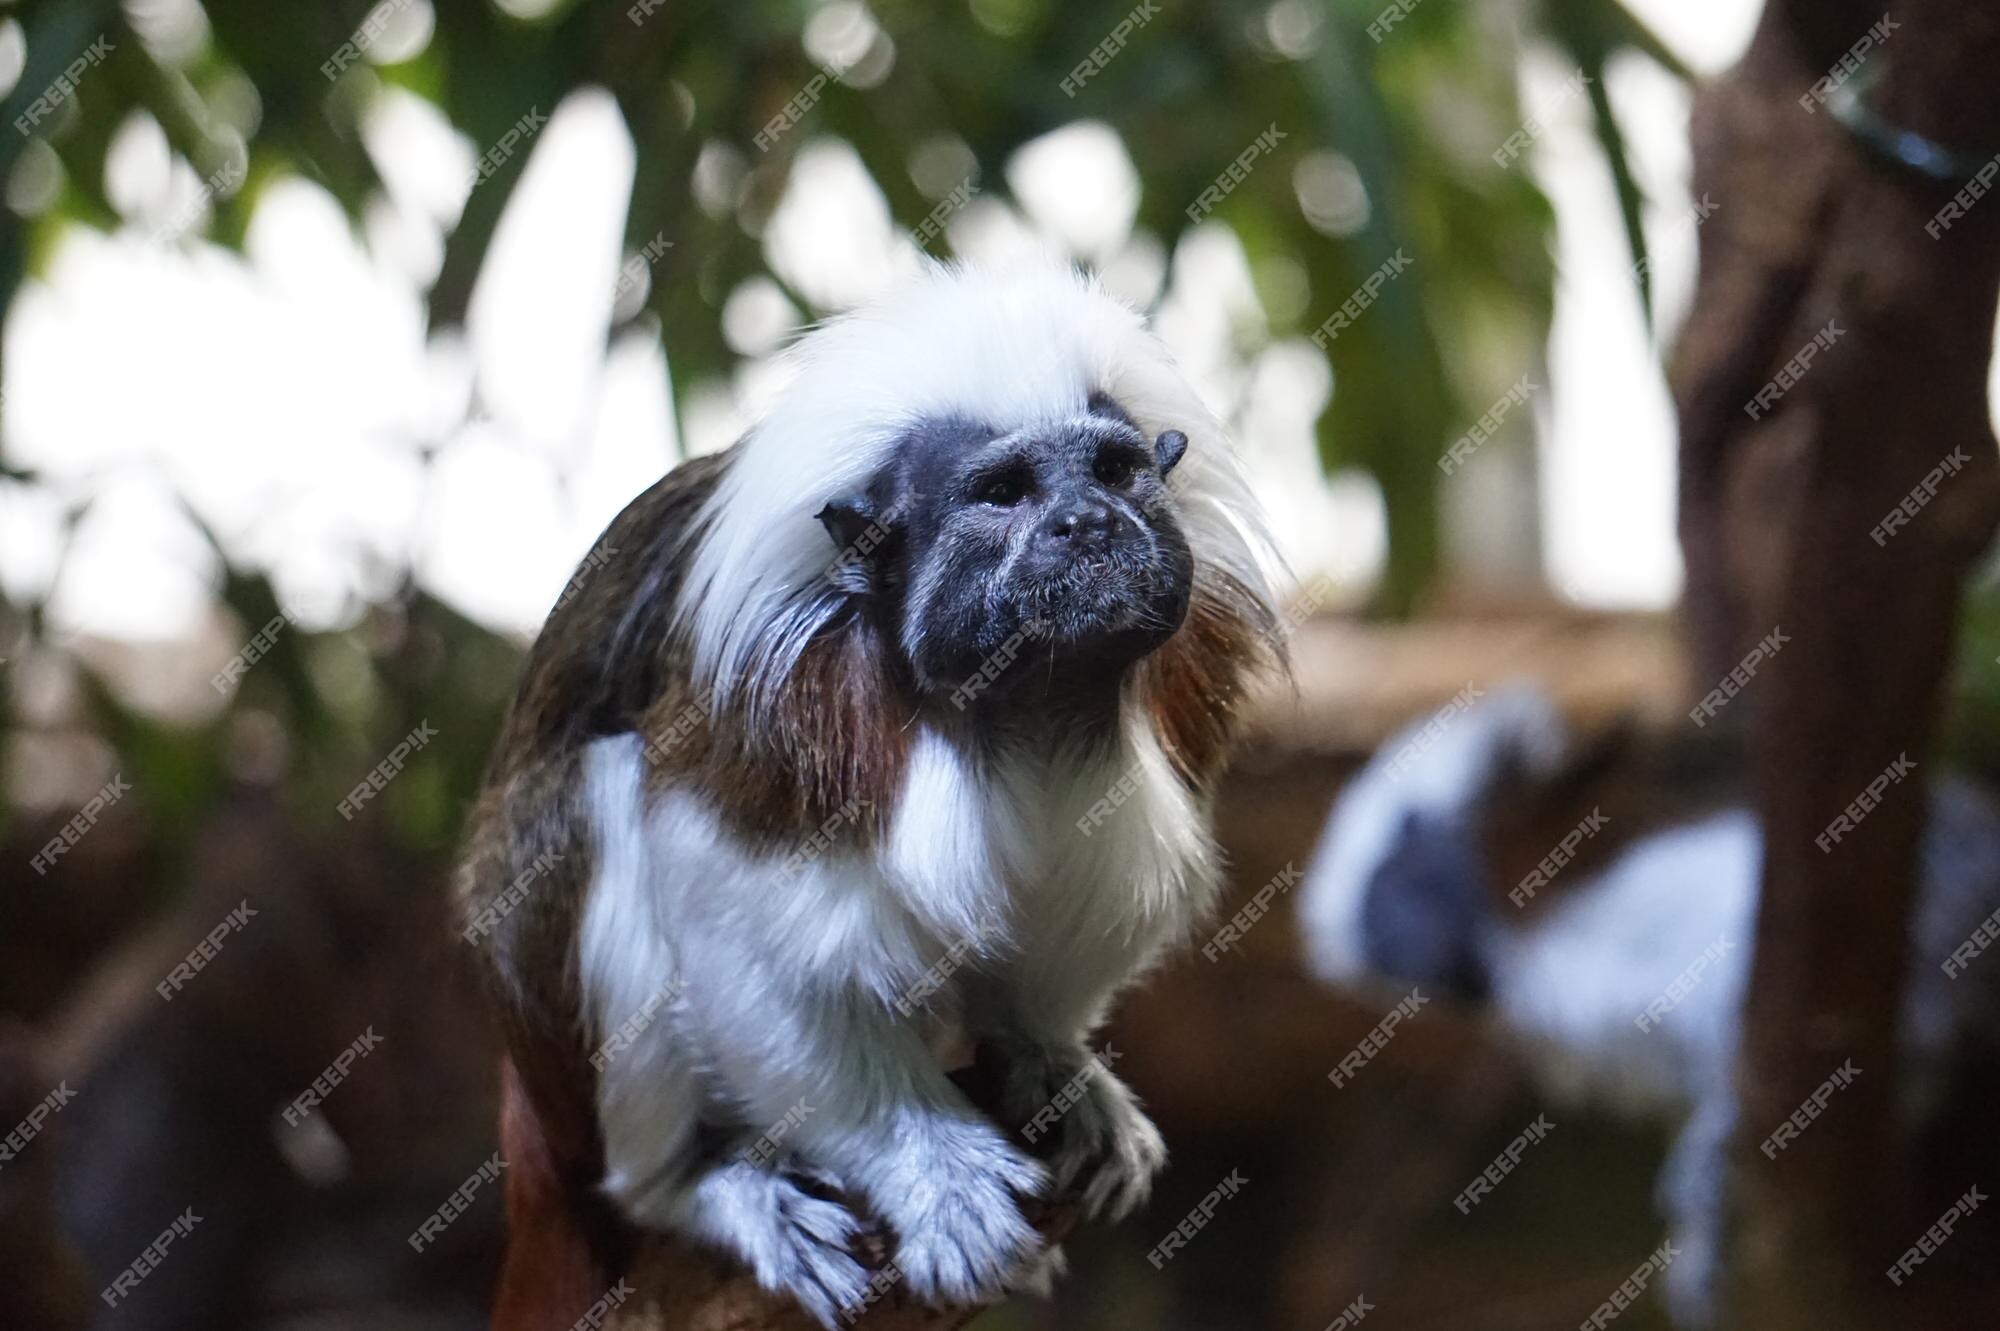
(677, 1287)
(1777, 513)
(682, 1289)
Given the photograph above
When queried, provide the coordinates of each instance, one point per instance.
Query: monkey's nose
(1084, 525)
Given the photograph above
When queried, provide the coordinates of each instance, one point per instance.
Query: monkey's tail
(561, 1246)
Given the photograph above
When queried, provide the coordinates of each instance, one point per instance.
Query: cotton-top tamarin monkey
(891, 727)
(1627, 986)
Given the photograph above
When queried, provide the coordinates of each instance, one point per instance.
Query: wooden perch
(680, 1288)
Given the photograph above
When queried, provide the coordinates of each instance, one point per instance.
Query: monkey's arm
(1058, 1094)
(865, 1102)
(680, 1287)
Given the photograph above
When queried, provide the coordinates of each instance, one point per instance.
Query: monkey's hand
(953, 1198)
(1068, 1104)
(883, 1126)
(793, 1242)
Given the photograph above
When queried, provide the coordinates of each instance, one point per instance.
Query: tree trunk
(1817, 235)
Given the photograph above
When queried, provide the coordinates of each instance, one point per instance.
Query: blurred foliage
(1405, 116)
(1415, 109)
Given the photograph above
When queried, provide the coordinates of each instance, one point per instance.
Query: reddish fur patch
(1194, 683)
(836, 732)
(553, 1270)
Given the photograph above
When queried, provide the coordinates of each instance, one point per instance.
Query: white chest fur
(1110, 841)
(1071, 869)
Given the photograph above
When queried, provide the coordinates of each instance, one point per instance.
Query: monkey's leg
(657, 1173)
(1081, 1118)
(1057, 1093)
(874, 1110)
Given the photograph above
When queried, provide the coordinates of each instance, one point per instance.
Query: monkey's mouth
(1103, 597)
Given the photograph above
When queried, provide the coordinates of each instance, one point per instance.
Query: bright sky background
(286, 393)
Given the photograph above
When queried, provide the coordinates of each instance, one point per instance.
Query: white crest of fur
(1008, 346)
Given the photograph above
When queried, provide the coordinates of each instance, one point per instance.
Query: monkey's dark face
(1048, 556)
(1426, 918)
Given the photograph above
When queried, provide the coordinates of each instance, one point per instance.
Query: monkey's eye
(1001, 489)
(1114, 469)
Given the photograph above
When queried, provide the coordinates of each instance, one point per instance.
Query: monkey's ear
(1168, 450)
(860, 530)
(847, 520)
